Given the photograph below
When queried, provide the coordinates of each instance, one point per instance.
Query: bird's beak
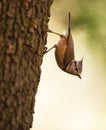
(79, 76)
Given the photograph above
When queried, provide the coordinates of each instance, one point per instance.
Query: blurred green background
(88, 16)
(63, 101)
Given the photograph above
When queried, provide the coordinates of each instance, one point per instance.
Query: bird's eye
(76, 68)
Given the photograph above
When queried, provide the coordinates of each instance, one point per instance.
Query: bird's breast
(60, 52)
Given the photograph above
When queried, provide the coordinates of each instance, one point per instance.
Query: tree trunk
(23, 33)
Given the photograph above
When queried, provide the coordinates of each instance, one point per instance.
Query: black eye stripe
(76, 66)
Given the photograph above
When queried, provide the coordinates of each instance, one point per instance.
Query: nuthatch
(64, 53)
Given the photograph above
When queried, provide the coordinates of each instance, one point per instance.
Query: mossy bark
(23, 34)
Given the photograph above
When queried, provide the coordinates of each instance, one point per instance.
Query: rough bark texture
(23, 33)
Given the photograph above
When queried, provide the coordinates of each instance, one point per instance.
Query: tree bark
(23, 33)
